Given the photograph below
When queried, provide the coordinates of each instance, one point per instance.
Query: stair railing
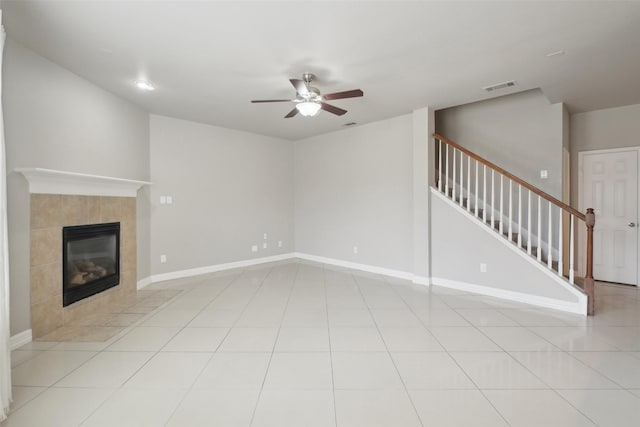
(553, 220)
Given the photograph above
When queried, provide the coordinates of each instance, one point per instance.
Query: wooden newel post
(589, 284)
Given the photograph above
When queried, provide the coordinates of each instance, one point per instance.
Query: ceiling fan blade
(291, 113)
(332, 109)
(255, 101)
(341, 95)
(301, 87)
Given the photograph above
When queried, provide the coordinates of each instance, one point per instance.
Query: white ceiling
(208, 59)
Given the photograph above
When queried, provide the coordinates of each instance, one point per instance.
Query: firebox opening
(91, 260)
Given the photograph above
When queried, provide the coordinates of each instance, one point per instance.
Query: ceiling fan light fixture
(308, 108)
(145, 85)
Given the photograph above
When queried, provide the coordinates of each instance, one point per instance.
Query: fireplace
(90, 260)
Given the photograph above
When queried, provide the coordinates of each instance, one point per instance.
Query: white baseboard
(579, 307)
(364, 267)
(256, 261)
(143, 283)
(422, 280)
(20, 339)
(218, 267)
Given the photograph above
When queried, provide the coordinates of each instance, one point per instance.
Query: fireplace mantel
(49, 181)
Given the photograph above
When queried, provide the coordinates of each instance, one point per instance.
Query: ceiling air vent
(502, 85)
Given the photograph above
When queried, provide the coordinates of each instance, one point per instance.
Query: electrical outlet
(279, 243)
(544, 174)
(163, 258)
(163, 200)
(483, 267)
(355, 249)
(264, 245)
(254, 248)
(169, 200)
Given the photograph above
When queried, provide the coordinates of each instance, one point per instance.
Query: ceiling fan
(309, 100)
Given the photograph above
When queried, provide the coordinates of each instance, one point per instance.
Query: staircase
(541, 226)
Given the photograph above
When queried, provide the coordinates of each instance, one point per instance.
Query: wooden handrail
(509, 175)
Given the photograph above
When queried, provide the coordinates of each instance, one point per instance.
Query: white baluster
(484, 193)
(461, 178)
(446, 167)
(560, 237)
(501, 203)
(539, 230)
(468, 184)
(529, 222)
(453, 181)
(440, 165)
(519, 215)
(475, 196)
(550, 242)
(510, 205)
(571, 249)
(493, 206)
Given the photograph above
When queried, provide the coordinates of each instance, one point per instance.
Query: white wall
(355, 188)
(599, 130)
(228, 188)
(55, 119)
(522, 133)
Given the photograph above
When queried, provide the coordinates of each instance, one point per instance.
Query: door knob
(632, 224)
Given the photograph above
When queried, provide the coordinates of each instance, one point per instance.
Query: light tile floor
(301, 344)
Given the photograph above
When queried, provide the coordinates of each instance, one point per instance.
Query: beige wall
(355, 188)
(57, 120)
(228, 188)
(522, 133)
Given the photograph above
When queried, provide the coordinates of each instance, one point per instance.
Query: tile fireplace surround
(60, 199)
(51, 212)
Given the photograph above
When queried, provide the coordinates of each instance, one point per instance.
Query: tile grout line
(186, 392)
(388, 352)
(275, 342)
(149, 315)
(453, 358)
(333, 382)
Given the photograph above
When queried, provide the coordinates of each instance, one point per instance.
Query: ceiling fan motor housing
(308, 77)
(314, 94)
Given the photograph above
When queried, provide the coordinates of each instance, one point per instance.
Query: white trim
(218, 267)
(422, 280)
(365, 267)
(579, 307)
(49, 181)
(582, 232)
(143, 283)
(20, 339)
(246, 263)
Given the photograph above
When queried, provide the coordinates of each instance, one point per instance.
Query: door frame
(582, 234)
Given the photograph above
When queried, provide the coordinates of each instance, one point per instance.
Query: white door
(610, 187)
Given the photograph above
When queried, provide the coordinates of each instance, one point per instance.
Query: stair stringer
(460, 242)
